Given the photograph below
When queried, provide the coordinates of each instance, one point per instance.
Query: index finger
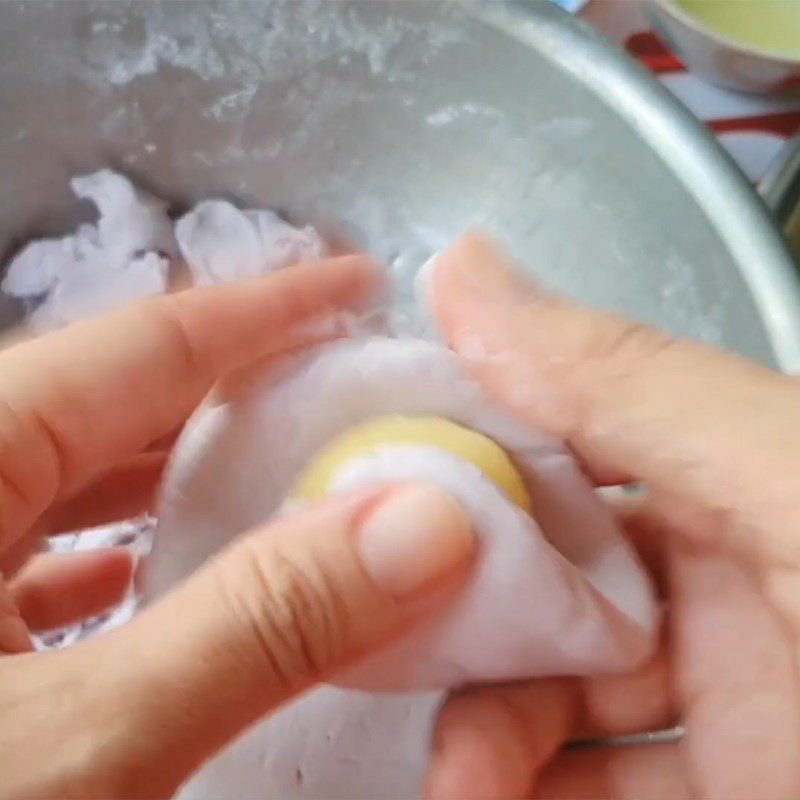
(709, 429)
(74, 402)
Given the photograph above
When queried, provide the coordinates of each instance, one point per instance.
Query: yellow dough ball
(437, 432)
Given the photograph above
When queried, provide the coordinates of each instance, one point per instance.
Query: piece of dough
(128, 253)
(222, 243)
(123, 257)
(557, 593)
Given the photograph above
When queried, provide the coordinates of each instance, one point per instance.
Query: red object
(751, 128)
(646, 47)
(792, 83)
(785, 124)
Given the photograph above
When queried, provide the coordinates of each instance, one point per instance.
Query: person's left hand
(86, 417)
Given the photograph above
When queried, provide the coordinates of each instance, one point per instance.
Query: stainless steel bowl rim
(707, 172)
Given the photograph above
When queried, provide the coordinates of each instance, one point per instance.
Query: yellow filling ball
(437, 432)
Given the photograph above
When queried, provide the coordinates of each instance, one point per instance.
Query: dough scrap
(128, 253)
(221, 243)
(103, 266)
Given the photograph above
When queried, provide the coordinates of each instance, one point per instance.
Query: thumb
(707, 428)
(284, 608)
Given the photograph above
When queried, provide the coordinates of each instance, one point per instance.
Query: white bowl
(722, 60)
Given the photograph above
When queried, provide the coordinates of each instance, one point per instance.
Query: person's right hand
(716, 441)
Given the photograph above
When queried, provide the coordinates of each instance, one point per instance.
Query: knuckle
(625, 346)
(514, 714)
(166, 315)
(496, 707)
(28, 485)
(614, 360)
(614, 350)
(292, 611)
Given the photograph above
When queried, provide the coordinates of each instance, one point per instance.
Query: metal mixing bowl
(400, 124)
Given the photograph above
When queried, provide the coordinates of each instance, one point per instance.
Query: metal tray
(400, 124)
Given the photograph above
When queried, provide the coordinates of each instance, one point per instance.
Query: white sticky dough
(221, 243)
(526, 611)
(126, 255)
(236, 464)
(102, 266)
(562, 594)
(334, 744)
(537, 611)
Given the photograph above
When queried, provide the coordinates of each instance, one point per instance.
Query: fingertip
(478, 753)
(476, 267)
(56, 590)
(118, 563)
(474, 245)
(490, 741)
(480, 303)
(450, 779)
(366, 275)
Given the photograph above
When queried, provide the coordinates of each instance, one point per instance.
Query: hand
(716, 441)
(91, 409)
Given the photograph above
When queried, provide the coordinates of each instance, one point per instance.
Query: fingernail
(415, 537)
(483, 267)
